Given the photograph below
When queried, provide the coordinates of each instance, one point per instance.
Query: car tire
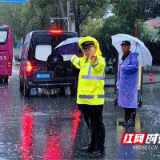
(6, 79)
(21, 87)
(1, 80)
(73, 91)
(62, 91)
(26, 91)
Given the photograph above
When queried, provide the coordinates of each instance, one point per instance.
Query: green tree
(36, 14)
(145, 29)
(93, 28)
(136, 9)
(10, 15)
(84, 8)
(127, 14)
(114, 25)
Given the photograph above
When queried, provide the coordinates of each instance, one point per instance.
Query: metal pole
(68, 23)
(68, 14)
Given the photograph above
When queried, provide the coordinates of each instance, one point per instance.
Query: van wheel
(1, 80)
(73, 91)
(62, 91)
(21, 87)
(26, 91)
(6, 79)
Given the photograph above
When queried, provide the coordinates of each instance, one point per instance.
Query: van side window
(24, 53)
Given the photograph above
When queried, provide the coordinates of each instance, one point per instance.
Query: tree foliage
(137, 9)
(127, 14)
(10, 15)
(36, 15)
(84, 8)
(93, 28)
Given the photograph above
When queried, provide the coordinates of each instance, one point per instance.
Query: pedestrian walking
(90, 97)
(128, 84)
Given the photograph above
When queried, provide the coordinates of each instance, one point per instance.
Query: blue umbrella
(69, 46)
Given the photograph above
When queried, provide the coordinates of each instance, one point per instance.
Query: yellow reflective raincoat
(91, 77)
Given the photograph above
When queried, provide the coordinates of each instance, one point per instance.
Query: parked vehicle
(42, 67)
(6, 53)
(109, 67)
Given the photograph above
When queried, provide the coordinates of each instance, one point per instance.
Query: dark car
(42, 67)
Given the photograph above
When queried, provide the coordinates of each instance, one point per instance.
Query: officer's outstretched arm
(99, 64)
(76, 61)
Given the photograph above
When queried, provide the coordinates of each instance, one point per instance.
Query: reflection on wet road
(51, 128)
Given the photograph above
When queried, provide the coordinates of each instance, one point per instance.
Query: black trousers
(93, 118)
(130, 113)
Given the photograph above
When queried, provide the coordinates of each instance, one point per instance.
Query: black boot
(131, 121)
(126, 116)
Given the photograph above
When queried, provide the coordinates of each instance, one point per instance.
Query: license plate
(43, 75)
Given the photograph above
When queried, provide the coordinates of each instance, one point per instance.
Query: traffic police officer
(128, 84)
(90, 97)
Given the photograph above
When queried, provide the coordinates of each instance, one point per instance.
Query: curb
(145, 83)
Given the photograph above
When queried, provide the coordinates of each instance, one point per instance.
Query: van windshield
(3, 36)
(47, 39)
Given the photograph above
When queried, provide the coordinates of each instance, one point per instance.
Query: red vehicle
(6, 53)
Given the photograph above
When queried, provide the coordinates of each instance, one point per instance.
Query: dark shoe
(87, 149)
(97, 154)
(121, 122)
(130, 122)
(127, 115)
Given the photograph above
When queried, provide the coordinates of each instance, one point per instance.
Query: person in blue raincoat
(128, 84)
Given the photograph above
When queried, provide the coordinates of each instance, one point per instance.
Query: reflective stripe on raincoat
(91, 77)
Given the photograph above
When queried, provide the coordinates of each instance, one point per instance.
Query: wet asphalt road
(50, 128)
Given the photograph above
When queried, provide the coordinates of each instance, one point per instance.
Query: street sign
(14, 1)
